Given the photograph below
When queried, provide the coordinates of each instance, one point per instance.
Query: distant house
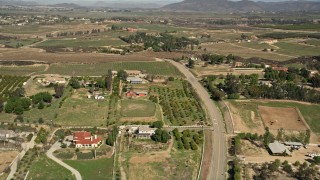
(97, 97)
(277, 148)
(84, 139)
(145, 132)
(238, 64)
(131, 29)
(114, 73)
(136, 94)
(135, 80)
(52, 80)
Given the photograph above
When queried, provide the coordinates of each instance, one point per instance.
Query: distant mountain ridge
(222, 6)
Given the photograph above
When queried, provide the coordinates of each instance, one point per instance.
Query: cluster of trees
(217, 59)
(157, 124)
(303, 137)
(41, 98)
(17, 105)
(112, 136)
(302, 171)
(161, 135)
(188, 139)
(42, 136)
(283, 86)
(285, 35)
(76, 33)
(163, 42)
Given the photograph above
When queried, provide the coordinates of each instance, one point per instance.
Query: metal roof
(289, 143)
(278, 148)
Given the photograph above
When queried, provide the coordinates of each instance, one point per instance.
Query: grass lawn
(45, 168)
(20, 70)
(82, 43)
(156, 68)
(137, 108)
(93, 169)
(297, 49)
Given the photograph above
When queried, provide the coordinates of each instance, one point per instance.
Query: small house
(135, 80)
(84, 139)
(4, 134)
(136, 94)
(145, 132)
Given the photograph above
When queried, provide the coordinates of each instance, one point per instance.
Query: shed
(277, 148)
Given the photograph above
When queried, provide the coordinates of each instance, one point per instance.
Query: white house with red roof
(85, 139)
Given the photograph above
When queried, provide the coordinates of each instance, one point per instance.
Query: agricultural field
(72, 43)
(178, 103)
(28, 29)
(98, 69)
(313, 42)
(294, 49)
(256, 45)
(45, 168)
(21, 70)
(73, 109)
(313, 27)
(137, 108)
(163, 163)
(16, 43)
(274, 118)
(98, 169)
(9, 83)
(247, 117)
(238, 50)
(152, 27)
(6, 157)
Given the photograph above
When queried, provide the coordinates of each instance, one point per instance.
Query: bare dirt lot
(286, 118)
(6, 157)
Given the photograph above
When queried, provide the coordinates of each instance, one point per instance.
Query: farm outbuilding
(135, 80)
(277, 148)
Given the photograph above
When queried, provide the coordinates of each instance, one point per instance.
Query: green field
(82, 43)
(45, 168)
(314, 27)
(23, 42)
(297, 49)
(239, 50)
(20, 70)
(27, 29)
(152, 27)
(76, 110)
(93, 169)
(156, 68)
(137, 108)
(256, 45)
(313, 42)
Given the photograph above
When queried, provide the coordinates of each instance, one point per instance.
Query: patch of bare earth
(286, 118)
(6, 157)
(207, 155)
(240, 125)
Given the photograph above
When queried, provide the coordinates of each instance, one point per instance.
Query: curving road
(50, 155)
(218, 162)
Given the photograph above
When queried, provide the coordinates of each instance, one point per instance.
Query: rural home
(84, 139)
(135, 80)
(145, 132)
(269, 41)
(136, 94)
(52, 80)
(293, 145)
(277, 148)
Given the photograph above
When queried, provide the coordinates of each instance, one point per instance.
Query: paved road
(218, 165)
(55, 147)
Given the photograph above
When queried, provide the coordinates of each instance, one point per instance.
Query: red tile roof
(83, 137)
